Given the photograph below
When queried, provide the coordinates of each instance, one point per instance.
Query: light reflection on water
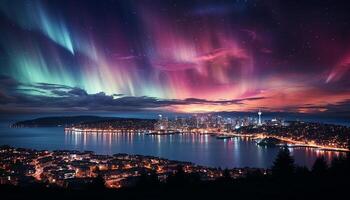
(200, 149)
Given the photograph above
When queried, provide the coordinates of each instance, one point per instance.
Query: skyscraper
(259, 121)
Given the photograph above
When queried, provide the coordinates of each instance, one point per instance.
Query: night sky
(175, 56)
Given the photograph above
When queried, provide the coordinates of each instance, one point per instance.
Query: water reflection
(200, 149)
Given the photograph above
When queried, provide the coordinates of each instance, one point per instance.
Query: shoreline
(290, 143)
(60, 167)
(294, 143)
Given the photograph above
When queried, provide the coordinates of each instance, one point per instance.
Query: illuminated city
(293, 134)
(66, 168)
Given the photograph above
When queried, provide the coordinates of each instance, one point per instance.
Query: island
(271, 142)
(56, 121)
(85, 122)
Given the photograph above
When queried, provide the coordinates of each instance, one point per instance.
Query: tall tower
(259, 122)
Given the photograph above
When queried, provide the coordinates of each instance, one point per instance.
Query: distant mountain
(59, 121)
(87, 122)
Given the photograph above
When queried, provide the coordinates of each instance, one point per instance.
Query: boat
(223, 137)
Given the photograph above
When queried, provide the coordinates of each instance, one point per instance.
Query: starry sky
(175, 56)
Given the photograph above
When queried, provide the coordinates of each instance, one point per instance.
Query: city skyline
(174, 56)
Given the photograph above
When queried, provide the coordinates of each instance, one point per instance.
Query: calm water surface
(200, 149)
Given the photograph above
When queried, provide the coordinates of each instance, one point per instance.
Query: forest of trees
(287, 181)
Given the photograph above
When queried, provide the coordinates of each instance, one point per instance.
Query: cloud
(7, 82)
(65, 98)
(61, 98)
(77, 92)
(49, 86)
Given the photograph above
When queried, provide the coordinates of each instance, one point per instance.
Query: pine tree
(284, 164)
(98, 183)
(320, 166)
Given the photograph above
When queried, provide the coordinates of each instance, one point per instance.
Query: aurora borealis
(176, 56)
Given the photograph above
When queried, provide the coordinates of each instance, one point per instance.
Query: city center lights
(293, 134)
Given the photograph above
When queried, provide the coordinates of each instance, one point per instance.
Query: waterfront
(199, 149)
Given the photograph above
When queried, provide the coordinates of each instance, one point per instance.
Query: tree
(320, 166)
(255, 174)
(178, 178)
(302, 172)
(226, 176)
(148, 179)
(338, 165)
(97, 183)
(181, 178)
(284, 164)
(348, 156)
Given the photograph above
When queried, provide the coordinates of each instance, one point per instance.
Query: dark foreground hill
(298, 187)
(287, 181)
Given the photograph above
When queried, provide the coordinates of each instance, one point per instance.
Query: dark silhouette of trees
(299, 183)
(148, 179)
(255, 174)
(301, 173)
(287, 181)
(226, 176)
(338, 165)
(97, 183)
(320, 167)
(283, 166)
(180, 178)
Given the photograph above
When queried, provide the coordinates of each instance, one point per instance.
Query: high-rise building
(162, 124)
(259, 121)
